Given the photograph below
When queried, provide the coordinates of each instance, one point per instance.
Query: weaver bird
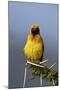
(34, 47)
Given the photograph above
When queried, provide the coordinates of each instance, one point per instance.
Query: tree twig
(25, 75)
(41, 79)
(34, 64)
(44, 61)
(52, 65)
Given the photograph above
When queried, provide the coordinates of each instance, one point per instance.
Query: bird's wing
(42, 44)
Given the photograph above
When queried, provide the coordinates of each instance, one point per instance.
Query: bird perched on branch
(34, 47)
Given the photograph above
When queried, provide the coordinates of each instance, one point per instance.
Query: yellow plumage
(34, 47)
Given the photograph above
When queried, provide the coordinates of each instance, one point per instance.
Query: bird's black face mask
(35, 31)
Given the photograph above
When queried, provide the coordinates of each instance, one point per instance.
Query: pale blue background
(21, 16)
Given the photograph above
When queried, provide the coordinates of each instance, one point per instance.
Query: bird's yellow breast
(33, 48)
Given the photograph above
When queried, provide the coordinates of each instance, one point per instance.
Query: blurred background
(20, 17)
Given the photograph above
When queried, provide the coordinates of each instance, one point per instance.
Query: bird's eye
(33, 29)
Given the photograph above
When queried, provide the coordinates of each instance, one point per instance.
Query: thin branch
(53, 82)
(25, 76)
(34, 64)
(52, 65)
(44, 61)
(41, 79)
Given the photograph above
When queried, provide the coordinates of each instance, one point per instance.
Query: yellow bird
(34, 47)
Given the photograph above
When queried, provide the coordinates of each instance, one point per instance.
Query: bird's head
(35, 29)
